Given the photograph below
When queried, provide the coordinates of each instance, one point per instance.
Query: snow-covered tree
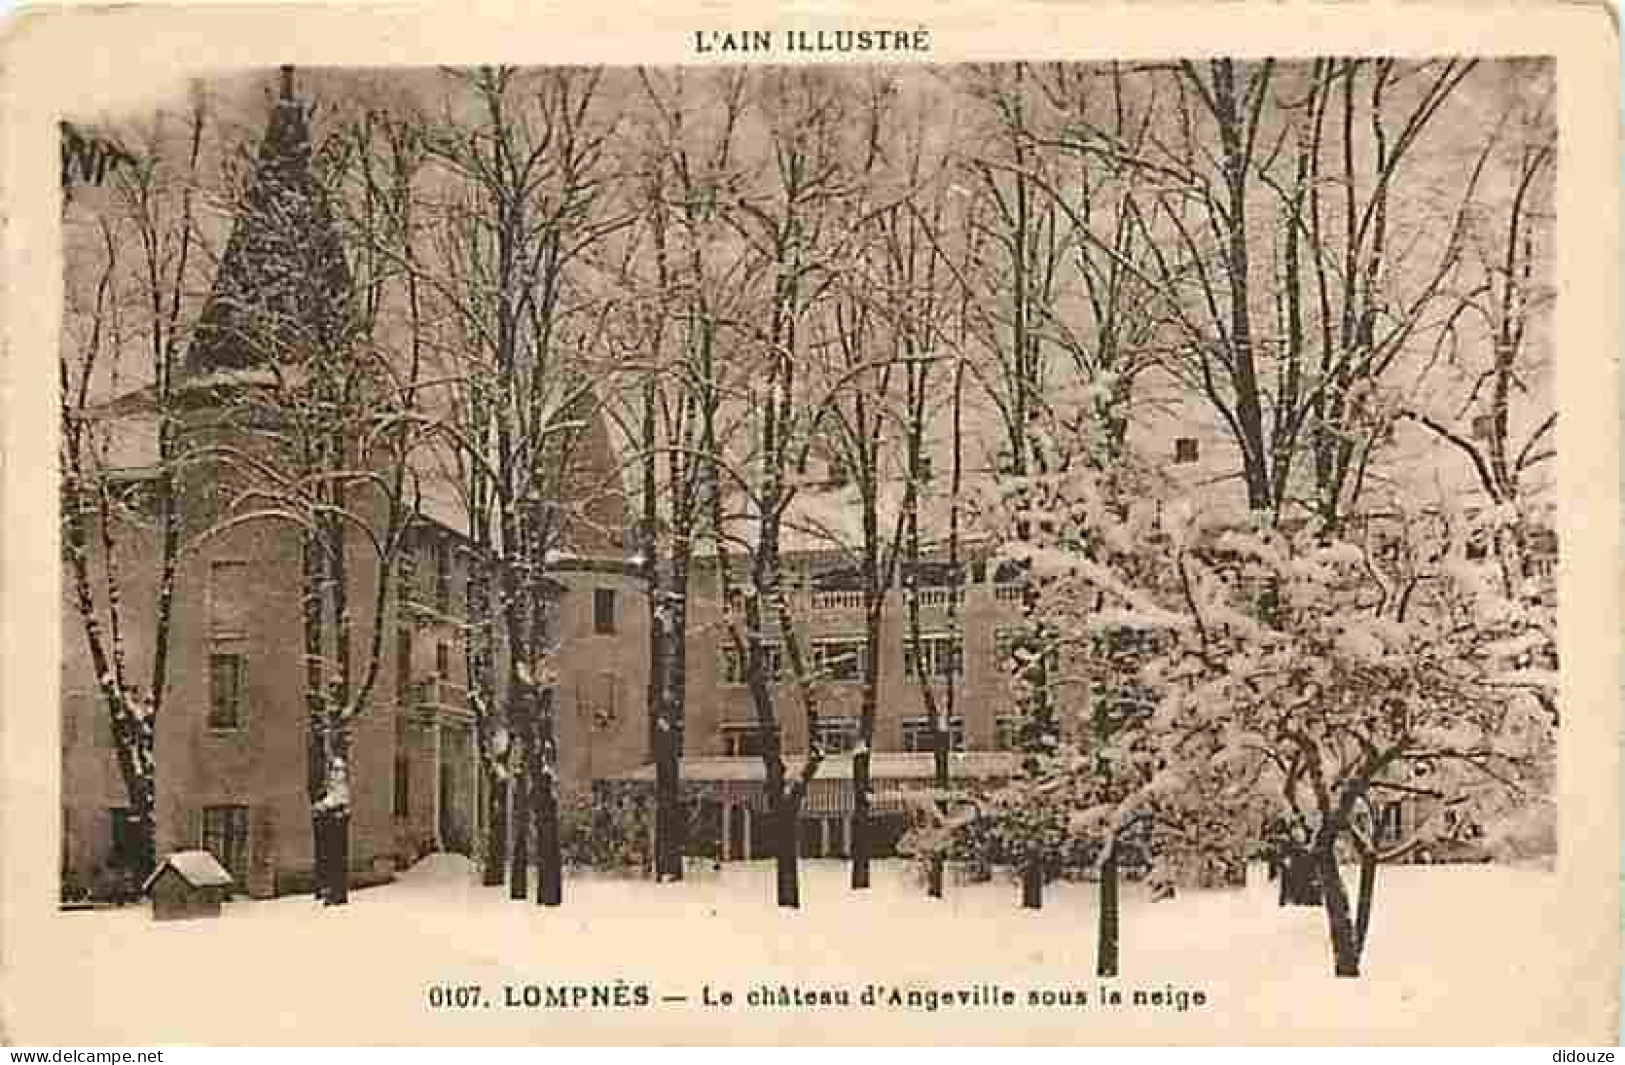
(127, 322)
(518, 160)
(676, 292)
(313, 428)
(797, 218)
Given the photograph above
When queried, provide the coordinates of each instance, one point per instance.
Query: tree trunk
(1110, 916)
(939, 760)
(496, 832)
(1032, 881)
(549, 857)
(544, 785)
(668, 829)
(1368, 891)
(1345, 947)
(1300, 878)
(318, 860)
(338, 855)
(789, 851)
(519, 852)
(860, 820)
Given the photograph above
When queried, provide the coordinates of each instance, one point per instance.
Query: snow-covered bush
(607, 833)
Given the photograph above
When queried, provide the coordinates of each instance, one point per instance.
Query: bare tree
(794, 219)
(677, 298)
(522, 154)
(142, 222)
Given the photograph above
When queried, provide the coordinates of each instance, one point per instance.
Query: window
(442, 576)
(603, 700)
(743, 741)
(225, 835)
(69, 716)
(125, 841)
(836, 735)
(1543, 567)
(1185, 449)
(1388, 824)
(227, 684)
(918, 735)
(844, 659)
(941, 656)
(403, 664)
(406, 574)
(403, 770)
(603, 611)
(1483, 426)
(733, 664)
(1004, 648)
(1007, 733)
(230, 598)
(442, 660)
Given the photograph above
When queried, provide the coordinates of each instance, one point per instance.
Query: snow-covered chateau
(230, 748)
(231, 743)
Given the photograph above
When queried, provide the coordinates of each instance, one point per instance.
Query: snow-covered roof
(197, 868)
(882, 766)
(829, 520)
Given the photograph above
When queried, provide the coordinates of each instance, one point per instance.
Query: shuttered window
(225, 835)
(231, 599)
(228, 685)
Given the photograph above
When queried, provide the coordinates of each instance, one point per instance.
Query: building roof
(281, 289)
(882, 766)
(197, 868)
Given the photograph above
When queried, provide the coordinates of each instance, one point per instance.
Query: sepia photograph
(815, 530)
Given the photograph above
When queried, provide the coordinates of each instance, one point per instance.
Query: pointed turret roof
(283, 284)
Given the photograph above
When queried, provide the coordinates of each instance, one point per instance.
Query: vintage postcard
(1042, 523)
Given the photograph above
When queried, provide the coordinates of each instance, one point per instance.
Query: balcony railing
(941, 597)
(934, 597)
(844, 600)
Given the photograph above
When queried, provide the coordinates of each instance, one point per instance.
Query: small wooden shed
(187, 884)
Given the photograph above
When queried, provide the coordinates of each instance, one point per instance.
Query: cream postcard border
(89, 58)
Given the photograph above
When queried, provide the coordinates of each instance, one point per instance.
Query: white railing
(847, 600)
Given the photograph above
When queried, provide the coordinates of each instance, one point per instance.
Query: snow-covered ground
(1457, 954)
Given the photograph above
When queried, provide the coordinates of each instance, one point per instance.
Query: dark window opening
(1388, 825)
(1007, 733)
(836, 735)
(225, 835)
(603, 611)
(734, 664)
(403, 664)
(919, 736)
(126, 841)
(442, 577)
(744, 741)
(1185, 449)
(403, 770)
(842, 660)
(226, 690)
(938, 657)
